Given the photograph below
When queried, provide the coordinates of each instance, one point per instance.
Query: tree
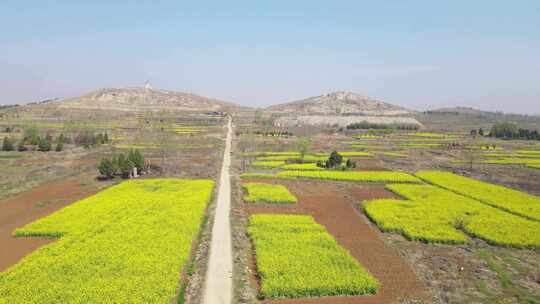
(125, 166)
(481, 132)
(59, 146)
(31, 135)
(106, 168)
(473, 132)
(7, 144)
(21, 147)
(350, 164)
(136, 157)
(44, 145)
(303, 145)
(335, 159)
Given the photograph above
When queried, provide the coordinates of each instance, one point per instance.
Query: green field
(297, 258)
(513, 161)
(268, 164)
(513, 201)
(346, 176)
(268, 193)
(435, 215)
(307, 158)
(126, 244)
(353, 176)
(308, 167)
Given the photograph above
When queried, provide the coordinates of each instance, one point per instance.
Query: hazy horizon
(419, 55)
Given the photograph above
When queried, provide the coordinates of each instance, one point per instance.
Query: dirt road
(218, 289)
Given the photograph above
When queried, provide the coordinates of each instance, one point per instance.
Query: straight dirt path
(218, 289)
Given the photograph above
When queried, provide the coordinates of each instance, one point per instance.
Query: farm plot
(513, 201)
(268, 164)
(513, 161)
(268, 193)
(307, 158)
(308, 166)
(296, 257)
(436, 215)
(352, 176)
(126, 244)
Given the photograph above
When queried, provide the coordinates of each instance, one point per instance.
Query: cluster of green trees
(8, 144)
(370, 125)
(122, 165)
(509, 130)
(31, 137)
(273, 133)
(335, 161)
(88, 138)
(43, 144)
(475, 132)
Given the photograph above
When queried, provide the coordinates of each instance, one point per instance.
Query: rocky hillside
(142, 99)
(342, 109)
(339, 103)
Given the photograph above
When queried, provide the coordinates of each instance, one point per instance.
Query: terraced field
(126, 244)
(513, 201)
(432, 214)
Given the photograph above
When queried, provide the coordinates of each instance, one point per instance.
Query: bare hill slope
(340, 108)
(339, 103)
(141, 99)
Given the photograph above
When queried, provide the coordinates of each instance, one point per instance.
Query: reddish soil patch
(29, 206)
(335, 207)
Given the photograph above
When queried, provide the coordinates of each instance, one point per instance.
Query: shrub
(31, 135)
(59, 146)
(303, 146)
(125, 165)
(107, 168)
(21, 147)
(7, 144)
(44, 145)
(137, 159)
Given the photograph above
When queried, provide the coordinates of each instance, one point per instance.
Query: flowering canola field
(296, 257)
(126, 244)
(268, 193)
(516, 202)
(433, 214)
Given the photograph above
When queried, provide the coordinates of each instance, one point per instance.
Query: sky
(417, 54)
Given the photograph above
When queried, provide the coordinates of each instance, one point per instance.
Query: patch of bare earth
(335, 207)
(29, 206)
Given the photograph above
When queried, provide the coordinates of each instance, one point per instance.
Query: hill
(342, 109)
(142, 99)
(340, 103)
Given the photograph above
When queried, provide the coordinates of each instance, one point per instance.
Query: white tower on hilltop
(148, 86)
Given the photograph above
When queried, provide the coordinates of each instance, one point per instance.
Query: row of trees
(475, 132)
(273, 133)
(43, 145)
(508, 130)
(31, 137)
(122, 165)
(377, 126)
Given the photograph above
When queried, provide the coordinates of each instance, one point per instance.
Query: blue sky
(418, 54)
